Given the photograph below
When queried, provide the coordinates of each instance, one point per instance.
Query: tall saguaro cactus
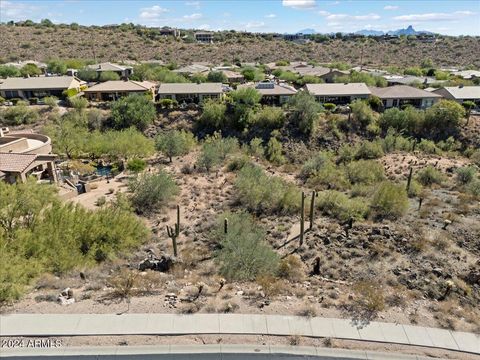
(302, 219)
(409, 180)
(312, 209)
(173, 233)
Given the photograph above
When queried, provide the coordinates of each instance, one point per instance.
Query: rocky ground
(427, 274)
(109, 44)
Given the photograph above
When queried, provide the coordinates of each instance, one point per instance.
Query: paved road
(173, 324)
(201, 352)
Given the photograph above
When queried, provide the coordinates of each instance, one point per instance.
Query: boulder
(163, 263)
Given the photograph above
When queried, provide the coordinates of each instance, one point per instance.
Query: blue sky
(454, 17)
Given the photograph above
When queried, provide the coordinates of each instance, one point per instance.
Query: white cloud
(391, 7)
(17, 11)
(457, 15)
(152, 12)
(270, 16)
(299, 4)
(193, 17)
(336, 17)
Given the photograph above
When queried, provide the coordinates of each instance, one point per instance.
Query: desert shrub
(415, 189)
(102, 200)
(152, 191)
(167, 103)
(369, 296)
(408, 120)
(315, 164)
(393, 141)
(273, 151)
(78, 103)
(474, 188)
(443, 119)
(133, 110)
(213, 114)
(375, 102)
(329, 177)
(369, 150)
(362, 113)
(95, 119)
(270, 117)
(346, 153)
(243, 253)
(428, 147)
(429, 176)
(390, 201)
(465, 174)
(215, 150)
(255, 148)
(51, 101)
(174, 143)
(475, 157)
(238, 163)
(244, 100)
(338, 205)
(329, 107)
(291, 268)
(136, 165)
(108, 75)
(260, 192)
(305, 111)
(19, 114)
(56, 237)
(365, 172)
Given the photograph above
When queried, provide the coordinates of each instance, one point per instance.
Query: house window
(11, 94)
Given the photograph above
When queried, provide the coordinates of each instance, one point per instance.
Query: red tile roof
(14, 162)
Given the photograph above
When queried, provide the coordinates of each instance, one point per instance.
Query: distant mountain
(408, 31)
(307, 31)
(370, 33)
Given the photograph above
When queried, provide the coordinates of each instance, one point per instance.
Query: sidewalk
(172, 324)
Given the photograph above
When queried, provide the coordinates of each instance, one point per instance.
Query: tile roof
(121, 85)
(402, 92)
(40, 82)
(338, 89)
(107, 66)
(271, 88)
(14, 162)
(464, 92)
(190, 88)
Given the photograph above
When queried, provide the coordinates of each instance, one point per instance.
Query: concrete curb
(214, 352)
(246, 324)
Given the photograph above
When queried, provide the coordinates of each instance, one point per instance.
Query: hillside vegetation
(136, 43)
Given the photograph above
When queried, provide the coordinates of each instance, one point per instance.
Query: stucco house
(115, 89)
(460, 93)
(38, 87)
(400, 95)
(272, 93)
(338, 93)
(26, 154)
(190, 92)
(121, 70)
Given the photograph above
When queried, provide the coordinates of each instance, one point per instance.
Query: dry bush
(271, 286)
(188, 308)
(307, 310)
(150, 282)
(294, 340)
(291, 268)
(228, 307)
(369, 296)
(124, 284)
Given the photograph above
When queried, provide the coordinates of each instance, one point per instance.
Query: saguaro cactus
(302, 219)
(225, 226)
(173, 233)
(409, 180)
(312, 209)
